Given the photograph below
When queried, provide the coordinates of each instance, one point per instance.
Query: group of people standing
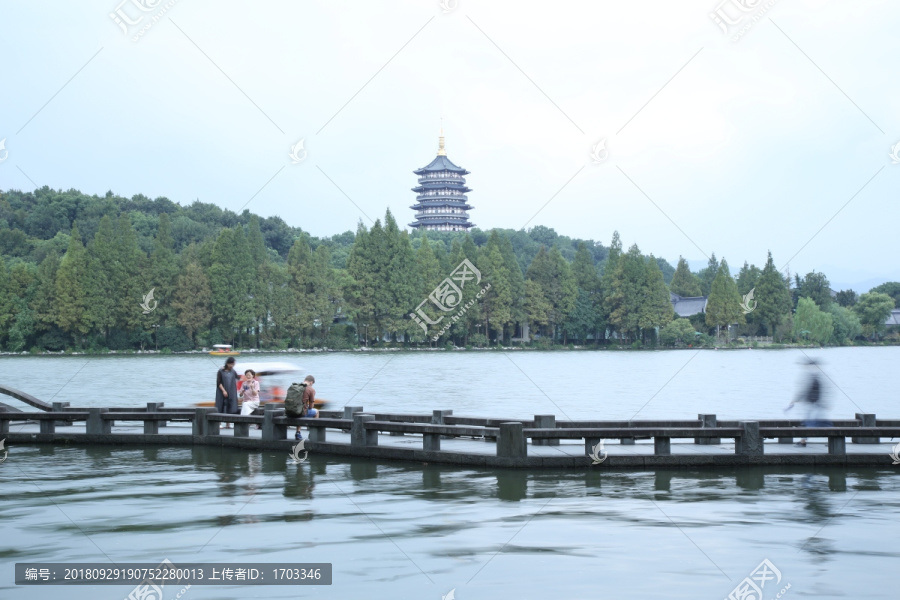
(227, 394)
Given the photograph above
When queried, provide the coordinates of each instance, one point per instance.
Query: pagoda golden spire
(441, 150)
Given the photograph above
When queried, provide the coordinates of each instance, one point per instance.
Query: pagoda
(441, 201)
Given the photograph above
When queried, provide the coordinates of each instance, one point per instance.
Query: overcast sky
(775, 138)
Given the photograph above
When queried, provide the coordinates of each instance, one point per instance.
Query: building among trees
(441, 201)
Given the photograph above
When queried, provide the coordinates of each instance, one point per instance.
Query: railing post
(511, 441)
(707, 422)
(155, 407)
(865, 420)
(198, 426)
(152, 427)
(837, 445)
(316, 434)
(60, 407)
(96, 425)
(749, 443)
(349, 411)
(271, 430)
(437, 416)
(545, 422)
(431, 442)
(48, 426)
(662, 446)
(242, 430)
(4, 423)
(359, 435)
(628, 441)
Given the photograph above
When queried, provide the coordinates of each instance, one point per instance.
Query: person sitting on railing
(249, 393)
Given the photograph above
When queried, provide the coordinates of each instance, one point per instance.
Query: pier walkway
(441, 437)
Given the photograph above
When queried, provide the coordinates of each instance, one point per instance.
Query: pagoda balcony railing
(435, 196)
(442, 216)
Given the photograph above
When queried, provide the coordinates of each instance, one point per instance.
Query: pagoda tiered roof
(440, 163)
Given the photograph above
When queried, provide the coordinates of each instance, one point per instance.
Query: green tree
(891, 288)
(846, 324)
(812, 323)
(723, 308)
(747, 278)
(607, 280)
(191, 300)
(847, 298)
(708, 275)
(679, 330)
(626, 293)
(773, 297)
(72, 314)
(873, 310)
(684, 283)
(656, 309)
(816, 287)
(496, 303)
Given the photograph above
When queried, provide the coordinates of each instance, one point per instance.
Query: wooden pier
(539, 442)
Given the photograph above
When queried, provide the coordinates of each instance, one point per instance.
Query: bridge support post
(96, 425)
(60, 407)
(359, 435)
(865, 420)
(707, 422)
(155, 407)
(48, 426)
(662, 446)
(837, 446)
(511, 441)
(545, 422)
(198, 425)
(271, 430)
(349, 411)
(749, 443)
(242, 430)
(431, 442)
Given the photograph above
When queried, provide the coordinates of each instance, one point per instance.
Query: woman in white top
(249, 392)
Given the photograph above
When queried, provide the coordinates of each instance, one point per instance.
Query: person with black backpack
(299, 402)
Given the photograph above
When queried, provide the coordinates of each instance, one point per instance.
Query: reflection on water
(414, 530)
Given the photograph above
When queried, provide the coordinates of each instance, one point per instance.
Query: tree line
(77, 272)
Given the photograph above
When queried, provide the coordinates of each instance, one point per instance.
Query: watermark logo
(751, 587)
(748, 304)
(135, 22)
(6, 452)
(297, 154)
(595, 453)
(4, 153)
(152, 587)
(146, 303)
(448, 5)
(599, 153)
(895, 455)
(451, 595)
(729, 14)
(296, 450)
(895, 153)
(448, 295)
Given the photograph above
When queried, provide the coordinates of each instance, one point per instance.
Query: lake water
(407, 530)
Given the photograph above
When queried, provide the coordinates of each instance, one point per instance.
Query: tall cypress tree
(72, 314)
(684, 283)
(772, 296)
(723, 308)
(191, 300)
(656, 309)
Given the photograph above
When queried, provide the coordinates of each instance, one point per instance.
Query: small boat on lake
(223, 350)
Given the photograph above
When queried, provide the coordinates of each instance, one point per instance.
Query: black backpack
(293, 401)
